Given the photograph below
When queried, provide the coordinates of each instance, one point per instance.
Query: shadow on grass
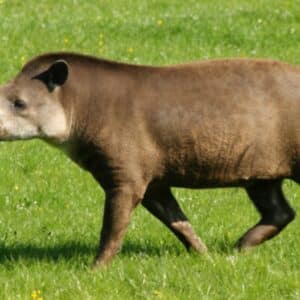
(66, 251)
(74, 250)
(150, 249)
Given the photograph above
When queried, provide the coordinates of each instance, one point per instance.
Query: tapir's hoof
(240, 246)
(99, 264)
(199, 250)
(96, 266)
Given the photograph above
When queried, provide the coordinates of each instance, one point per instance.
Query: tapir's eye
(19, 104)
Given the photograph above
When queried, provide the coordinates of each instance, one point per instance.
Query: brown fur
(140, 130)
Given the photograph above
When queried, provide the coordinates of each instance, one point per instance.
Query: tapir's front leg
(160, 201)
(119, 204)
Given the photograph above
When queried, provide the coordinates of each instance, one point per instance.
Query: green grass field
(51, 210)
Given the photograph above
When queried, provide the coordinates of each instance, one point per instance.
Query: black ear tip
(60, 66)
(60, 71)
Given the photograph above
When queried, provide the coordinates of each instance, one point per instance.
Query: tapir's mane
(45, 60)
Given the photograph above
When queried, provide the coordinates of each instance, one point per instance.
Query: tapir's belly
(224, 169)
(223, 152)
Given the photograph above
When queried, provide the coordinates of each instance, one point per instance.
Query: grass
(51, 210)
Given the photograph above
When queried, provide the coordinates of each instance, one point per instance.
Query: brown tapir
(140, 130)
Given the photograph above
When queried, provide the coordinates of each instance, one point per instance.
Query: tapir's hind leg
(275, 213)
(161, 203)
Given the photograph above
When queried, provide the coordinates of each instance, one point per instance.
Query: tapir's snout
(29, 110)
(14, 124)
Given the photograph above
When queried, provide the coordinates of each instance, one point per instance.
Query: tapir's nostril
(19, 104)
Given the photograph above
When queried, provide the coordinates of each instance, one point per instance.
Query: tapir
(140, 130)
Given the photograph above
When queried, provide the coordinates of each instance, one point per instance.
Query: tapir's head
(31, 105)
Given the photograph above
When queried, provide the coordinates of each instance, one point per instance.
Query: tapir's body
(140, 130)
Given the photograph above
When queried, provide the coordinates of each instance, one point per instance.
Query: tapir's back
(224, 122)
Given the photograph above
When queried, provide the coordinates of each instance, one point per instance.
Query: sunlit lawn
(51, 211)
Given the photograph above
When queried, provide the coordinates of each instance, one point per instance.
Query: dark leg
(160, 202)
(275, 213)
(119, 204)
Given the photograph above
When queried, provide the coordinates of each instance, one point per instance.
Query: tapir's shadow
(66, 251)
(74, 249)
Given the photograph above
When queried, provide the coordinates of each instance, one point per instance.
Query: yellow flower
(159, 22)
(130, 50)
(22, 59)
(158, 294)
(66, 40)
(101, 43)
(101, 50)
(35, 295)
(16, 188)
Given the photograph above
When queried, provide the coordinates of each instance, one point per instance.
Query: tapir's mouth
(11, 131)
(15, 131)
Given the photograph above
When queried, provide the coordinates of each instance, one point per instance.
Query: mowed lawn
(51, 210)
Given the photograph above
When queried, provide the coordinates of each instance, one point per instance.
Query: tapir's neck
(97, 96)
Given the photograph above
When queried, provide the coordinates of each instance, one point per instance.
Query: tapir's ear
(56, 75)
